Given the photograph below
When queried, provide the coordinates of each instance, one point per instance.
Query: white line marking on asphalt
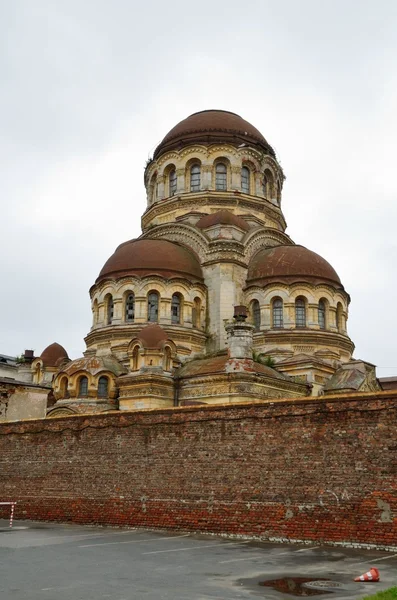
(253, 557)
(70, 537)
(225, 544)
(156, 539)
(65, 587)
(375, 559)
(384, 558)
(290, 552)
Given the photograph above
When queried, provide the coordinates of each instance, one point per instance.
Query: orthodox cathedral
(214, 303)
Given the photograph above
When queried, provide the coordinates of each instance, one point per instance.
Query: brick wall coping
(306, 406)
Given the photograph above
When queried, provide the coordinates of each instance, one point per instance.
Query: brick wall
(321, 470)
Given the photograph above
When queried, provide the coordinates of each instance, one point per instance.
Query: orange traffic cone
(371, 575)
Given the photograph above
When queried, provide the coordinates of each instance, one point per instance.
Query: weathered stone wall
(318, 470)
(22, 401)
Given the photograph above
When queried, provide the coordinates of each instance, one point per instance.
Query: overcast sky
(89, 88)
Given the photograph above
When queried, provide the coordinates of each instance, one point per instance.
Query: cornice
(310, 337)
(211, 199)
(175, 333)
(237, 377)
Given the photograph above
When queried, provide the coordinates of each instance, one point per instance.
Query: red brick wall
(322, 470)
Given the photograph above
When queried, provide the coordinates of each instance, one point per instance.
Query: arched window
(130, 308)
(269, 179)
(135, 358)
(338, 317)
(95, 313)
(176, 308)
(153, 307)
(109, 310)
(167, 359)
(172, 180)
(38, 373)
(245, 180)
(83, 386)
(195, 178)
(278, 192)
(300, 312)
(278, 321)
(321, 314)
(220, 177)
(196, 313)
(264, 186)
(64, 388)
(153, 189)
(256, 314)
(103, 385)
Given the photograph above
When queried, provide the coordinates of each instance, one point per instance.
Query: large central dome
(211, 127)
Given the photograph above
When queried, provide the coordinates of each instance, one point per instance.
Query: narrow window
(245, 180)
(338, 317)
(95, 313)
(130, 308)
(110, 309)
(196, 313)
(300, 312)
(176, 309)
(256, 315)
(135, 358)
(153, 307)
(153, 190)
(195, 176)
(83, 386)
(220, 177)
(264, 186)
(321, 314)
(103, 387)
(64, 388)
(278, 313)
(167, 359)
(172, 182)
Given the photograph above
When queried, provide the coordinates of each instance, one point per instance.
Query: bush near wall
(320, 470)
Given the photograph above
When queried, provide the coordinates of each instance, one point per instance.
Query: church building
(214, 303)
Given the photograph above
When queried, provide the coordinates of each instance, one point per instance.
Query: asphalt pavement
(46, 561)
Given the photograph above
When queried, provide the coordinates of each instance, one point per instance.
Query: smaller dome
(94, 365)
(152, 336)
(152, 257)
(222, 217)
(290, 264)
(54, 355)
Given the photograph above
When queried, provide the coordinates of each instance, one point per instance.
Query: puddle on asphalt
(302, 586)
(294, 586)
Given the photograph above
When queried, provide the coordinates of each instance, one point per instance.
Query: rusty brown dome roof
(290, 264)
(211, 127)
(222, 217)
(151, 257)
(53, 355)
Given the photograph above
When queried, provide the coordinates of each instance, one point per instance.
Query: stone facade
(20, 400)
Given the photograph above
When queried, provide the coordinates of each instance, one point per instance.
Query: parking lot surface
(69, 562)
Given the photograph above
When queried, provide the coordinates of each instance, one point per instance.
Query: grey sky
(89, 88)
